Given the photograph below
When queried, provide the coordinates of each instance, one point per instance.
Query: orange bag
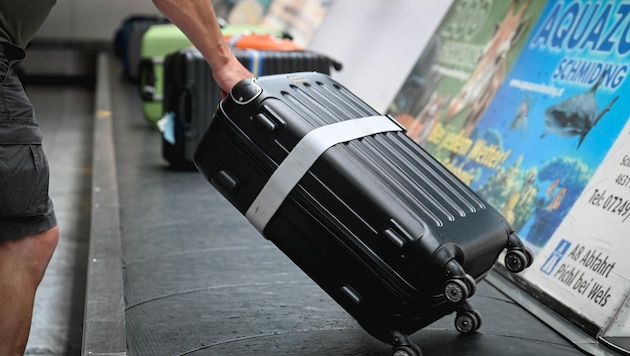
(262, 42)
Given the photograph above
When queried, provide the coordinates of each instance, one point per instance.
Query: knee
(50, 238)
(31, 254)
(46, 243)
(41, 247)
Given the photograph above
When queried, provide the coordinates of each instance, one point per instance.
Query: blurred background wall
(378, 41)
(90, 20)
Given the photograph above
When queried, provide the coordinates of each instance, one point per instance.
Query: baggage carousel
(196, 278)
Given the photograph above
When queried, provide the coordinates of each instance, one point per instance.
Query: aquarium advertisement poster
(299, 18)
(241, 12)
(538, 126)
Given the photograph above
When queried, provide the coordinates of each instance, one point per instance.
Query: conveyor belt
(200, 280)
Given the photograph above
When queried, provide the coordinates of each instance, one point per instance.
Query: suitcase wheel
(468, 321)
(456, 290)
(517, 260)
(471, 283)
(459, 285)
(518, 257)
(530, 256)
(403, 346)
(407, 351)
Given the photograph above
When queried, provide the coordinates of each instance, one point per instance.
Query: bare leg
(22, 266)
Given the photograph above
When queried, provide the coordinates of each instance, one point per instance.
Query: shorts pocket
(24, 178)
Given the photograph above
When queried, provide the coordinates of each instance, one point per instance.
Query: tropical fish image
(555, 202)
(575, 116)
(482, 85)
(553, 187)
(521, 116)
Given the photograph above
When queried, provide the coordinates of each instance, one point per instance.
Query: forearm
(197, 19)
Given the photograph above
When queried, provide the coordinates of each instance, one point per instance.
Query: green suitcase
(158, 41)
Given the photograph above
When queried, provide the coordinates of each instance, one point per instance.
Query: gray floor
(199, 280)
(64, 113)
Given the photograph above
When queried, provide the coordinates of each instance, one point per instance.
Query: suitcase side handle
(148, 84)
(185, 105)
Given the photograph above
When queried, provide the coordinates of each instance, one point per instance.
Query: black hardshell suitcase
(386, 230)
(192, 95)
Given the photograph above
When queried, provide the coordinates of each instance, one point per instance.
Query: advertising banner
(584, 263)
(524, 101)
(299, 18)
(241, 12)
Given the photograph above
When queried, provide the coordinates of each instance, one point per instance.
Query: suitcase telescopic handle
(245, 91)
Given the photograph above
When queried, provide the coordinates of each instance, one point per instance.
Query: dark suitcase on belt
(386, 230)
(128, 38)
(192, 95)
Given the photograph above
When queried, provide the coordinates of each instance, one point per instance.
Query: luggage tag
(304, 155)
(166, 125)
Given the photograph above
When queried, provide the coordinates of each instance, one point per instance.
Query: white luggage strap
(304, 155)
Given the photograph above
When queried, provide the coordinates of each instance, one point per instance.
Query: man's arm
(197, 19)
